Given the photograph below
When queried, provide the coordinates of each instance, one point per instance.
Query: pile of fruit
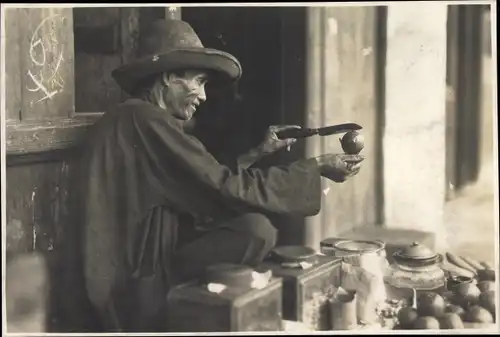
(470, 298)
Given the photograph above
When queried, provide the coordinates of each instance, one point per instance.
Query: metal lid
(229, 274)
(416, 251)
(293, 253)
(359, 246)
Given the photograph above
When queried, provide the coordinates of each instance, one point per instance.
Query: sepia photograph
(244, 168)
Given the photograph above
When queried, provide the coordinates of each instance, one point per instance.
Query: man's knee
(259, 226)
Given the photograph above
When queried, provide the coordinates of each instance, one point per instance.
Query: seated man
(141, 173)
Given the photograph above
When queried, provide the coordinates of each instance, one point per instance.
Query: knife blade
(323, 131)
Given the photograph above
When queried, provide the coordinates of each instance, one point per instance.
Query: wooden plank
(12, 66)
(35, 202)
(347, 80)
(96, 90)
(97, 40)
(468, 95)
(130, 29)
(46, 48)
(380, 63)
(23, 138)
(39, 218)
(293, 101)
(173, 13)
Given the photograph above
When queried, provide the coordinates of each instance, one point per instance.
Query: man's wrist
(320, 163)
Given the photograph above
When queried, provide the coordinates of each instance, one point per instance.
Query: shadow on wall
(26, 288)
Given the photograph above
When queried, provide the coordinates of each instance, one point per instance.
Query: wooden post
(468, 111)
(341, 88)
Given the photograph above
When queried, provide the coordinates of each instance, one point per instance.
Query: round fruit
(426, 322)
(352, 142)
(477, 314)
(485, 286)
(407, 317)
(430, 304)
(487, 301)
(467, 293)
(455, 309)
(451, 321)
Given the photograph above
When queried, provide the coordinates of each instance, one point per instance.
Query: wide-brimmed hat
(168, 45)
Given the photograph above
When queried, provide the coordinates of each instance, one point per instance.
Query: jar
(369, 255)
(363, 267)
(416, 268)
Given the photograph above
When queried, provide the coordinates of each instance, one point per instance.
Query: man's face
(184, 93)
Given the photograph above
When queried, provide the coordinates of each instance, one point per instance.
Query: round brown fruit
(466, 294)
(477, 314)
(352, 142)
(426, 322)
(485, 286)
(451, 321)
(407, 317)
(430, 304)
(487, 301)
(455, 309)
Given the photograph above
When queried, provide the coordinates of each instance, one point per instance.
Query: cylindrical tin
(343, 313)
(369, 255)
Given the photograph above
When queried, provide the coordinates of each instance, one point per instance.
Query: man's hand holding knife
(336, 167)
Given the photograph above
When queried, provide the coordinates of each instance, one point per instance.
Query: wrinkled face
(185, 93)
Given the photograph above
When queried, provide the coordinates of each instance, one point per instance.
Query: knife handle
(296, 133)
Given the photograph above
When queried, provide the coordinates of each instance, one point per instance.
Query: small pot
(454, 281)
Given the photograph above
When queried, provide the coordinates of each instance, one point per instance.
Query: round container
(454, 281)
(292, 256)
(343, 315)
(417, 267)
(230, 275)
(369, 255)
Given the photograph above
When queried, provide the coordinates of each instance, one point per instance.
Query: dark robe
(139, 172)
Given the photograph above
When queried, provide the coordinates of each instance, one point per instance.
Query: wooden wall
(343, 85)
(49, 68)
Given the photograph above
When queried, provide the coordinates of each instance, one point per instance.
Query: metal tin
(308, 284)
(192, 308)
(359, 253)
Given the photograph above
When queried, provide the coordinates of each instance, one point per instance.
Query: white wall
(414, 136)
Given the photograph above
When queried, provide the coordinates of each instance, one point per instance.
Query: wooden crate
(192, 308)
(305, 292)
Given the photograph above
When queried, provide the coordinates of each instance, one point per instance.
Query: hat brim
(225, 66)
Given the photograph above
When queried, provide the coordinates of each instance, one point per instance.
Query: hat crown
(165, 35)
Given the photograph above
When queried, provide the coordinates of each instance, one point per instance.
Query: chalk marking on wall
(41, 86)
(46, 86)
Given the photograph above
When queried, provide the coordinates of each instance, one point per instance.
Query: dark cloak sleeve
(293, 190)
